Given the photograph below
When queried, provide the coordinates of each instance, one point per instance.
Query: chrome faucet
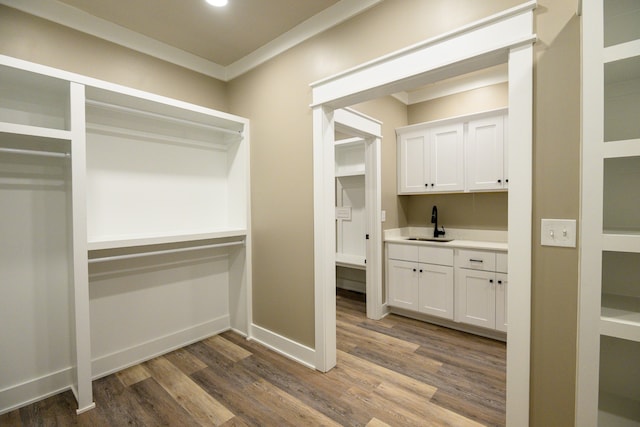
(434, 220)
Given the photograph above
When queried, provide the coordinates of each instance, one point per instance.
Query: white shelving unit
(350, 203)
(125, 229)
(608, 389)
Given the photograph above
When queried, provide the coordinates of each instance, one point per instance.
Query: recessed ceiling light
(217, 3)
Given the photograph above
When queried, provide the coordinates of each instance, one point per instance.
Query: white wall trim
(79, 20)
(19, 395)
(116, 361)
(507, 36)
(284, 346)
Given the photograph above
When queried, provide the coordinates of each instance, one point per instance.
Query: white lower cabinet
(436, 290)
(415, 284)
(403, 284)
(422, 279)
(481, 291)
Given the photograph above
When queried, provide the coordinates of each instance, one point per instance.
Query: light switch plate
(383, 216)
(558, 232)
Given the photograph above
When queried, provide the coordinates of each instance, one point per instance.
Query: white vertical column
(591, 216)
(82, 385)
(324, 237)
(373, 185)
(520, 160)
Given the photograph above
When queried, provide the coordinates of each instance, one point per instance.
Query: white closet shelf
(621, 241)
(350, 173)
(350, 261)
(131, 241)
(626, 148)
(622, 51)
(620, 317)
(35, 131)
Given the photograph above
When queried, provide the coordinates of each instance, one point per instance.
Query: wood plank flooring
(393, 372)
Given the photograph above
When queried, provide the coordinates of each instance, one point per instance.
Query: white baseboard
(139, 353)
(31, 391)
(288, 348)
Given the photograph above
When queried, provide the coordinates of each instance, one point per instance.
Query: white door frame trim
(505, 37)
(355, 123)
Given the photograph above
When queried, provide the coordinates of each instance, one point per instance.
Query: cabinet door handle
(414, 270)
(475, 260)
(499, 181)
(420, 270)
(499, 282)
(426, 185)
(432, 184)
(490, 280)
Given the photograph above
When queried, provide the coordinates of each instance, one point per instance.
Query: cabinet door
(447, 158)
(501, 301)
(403, 284)
(475, 298)
(485, 154)
(436, 290)
(413, 152)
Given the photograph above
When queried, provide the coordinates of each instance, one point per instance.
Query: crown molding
(68, 16)
(328, 18)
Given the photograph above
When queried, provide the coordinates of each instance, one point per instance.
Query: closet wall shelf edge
(620, 317)
(36, 131)
(132, 241)
(625, 148)
(621, 51)
(621, 241)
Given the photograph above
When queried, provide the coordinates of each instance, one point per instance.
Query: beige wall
(556, 174)
(468, 102)
(469, 210)
(33, 39)
(276, 98)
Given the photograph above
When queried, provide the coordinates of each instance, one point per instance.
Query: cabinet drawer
(402, 252)
(502, 262)
(431, 255)
(476, 260)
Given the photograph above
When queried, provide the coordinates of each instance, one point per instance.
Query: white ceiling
(219, 34)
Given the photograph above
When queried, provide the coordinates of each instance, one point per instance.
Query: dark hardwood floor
(396, 372)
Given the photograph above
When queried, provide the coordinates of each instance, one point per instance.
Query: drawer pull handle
(475, 260)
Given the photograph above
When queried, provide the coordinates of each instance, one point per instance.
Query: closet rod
(33, 152)
(161, 116)
(166, 251)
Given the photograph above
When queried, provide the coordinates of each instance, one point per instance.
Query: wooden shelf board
(625, 148)
(35, 131)
(620, 317)
(131, 241)
(621, 241)
(621, 51)
(350, 261)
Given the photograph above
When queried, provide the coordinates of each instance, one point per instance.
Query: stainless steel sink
(430, 239)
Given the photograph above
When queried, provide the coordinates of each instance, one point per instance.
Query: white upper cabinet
(431, 159)
(413, 155)
(454, 155)
(485, 148)
(447, 158)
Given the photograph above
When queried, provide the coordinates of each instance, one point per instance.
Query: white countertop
(492, 240)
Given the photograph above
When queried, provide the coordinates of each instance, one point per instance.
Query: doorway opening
(506, 37)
